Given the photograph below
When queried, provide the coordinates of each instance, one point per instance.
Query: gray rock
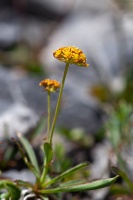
(75, 113)
(10, 30)
(17, 118)
(31, 31)
(15, 113)
(24, 175)
(18, 26)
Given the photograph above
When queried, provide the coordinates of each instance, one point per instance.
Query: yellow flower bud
(50, 85)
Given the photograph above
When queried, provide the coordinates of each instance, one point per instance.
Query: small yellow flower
(71, 55)
(50, 85)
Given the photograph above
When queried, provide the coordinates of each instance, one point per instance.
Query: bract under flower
(71, 55)
(50, 85)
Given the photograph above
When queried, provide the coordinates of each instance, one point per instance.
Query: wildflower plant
(119, 132)
(46, 185)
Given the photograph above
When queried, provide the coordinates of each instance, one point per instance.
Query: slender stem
(58, 102)
(44, 173)
(49, 114)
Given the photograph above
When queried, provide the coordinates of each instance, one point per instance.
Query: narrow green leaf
(30, 152)
(81, 187)
(48, 152)
(67, 173)
(23, 184)
(73, 182)
(29, 165)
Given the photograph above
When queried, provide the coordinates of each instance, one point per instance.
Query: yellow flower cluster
(50, 85)
(71, 55)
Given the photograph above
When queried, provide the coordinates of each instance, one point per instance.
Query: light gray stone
(17, 118)
(24, 175)
(15, 113)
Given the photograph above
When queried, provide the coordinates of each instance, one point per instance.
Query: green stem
(49, 114)
(44, 173)
(58, 102)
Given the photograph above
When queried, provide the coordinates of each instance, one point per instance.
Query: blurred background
(30, 30)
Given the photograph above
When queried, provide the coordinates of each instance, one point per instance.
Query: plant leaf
(67, 173)
(81, 187)
(30, 152)
(73, 182)
(29, 165)
(48, 152)
(23, 183)
(13, 191)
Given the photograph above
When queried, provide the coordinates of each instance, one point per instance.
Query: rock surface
(22, 102)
